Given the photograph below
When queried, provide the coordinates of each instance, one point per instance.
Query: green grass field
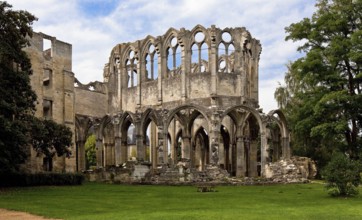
(105, 201)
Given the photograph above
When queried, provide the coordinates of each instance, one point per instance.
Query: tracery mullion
(199, 49)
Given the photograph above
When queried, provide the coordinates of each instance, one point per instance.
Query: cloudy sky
(94, 27)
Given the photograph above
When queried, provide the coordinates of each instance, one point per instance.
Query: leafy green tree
(17, 98)
(322, 96)
(50, 138)
(90, 151)
(342, 175)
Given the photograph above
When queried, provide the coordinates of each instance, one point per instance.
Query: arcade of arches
(187, 96)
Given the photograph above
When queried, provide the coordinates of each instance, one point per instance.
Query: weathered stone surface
(296, 169)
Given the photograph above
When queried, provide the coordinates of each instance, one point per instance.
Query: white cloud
(93, 37)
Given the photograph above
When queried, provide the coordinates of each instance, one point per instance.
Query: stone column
(140, 148)
(119, 88)
(186, 146)
(99, 149)
(214, 138)
(183, 70)
(117, 150)
(222, 155)
(162, 73)
(81, 155)
(139, 79)
(240, 157)
(285, 148)
(112, 154)
(213, 62)
(253, 155)
(153, 145)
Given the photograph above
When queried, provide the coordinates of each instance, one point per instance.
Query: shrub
(342, 175)
(40, 179)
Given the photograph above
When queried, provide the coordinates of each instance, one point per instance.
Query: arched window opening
(134, 78)
(178, 58)
(131, 142)
(178, 149)
(199, 58)
(174, 57)
(252, 147)
(194, 58)
(201, 149)
(131, 66)
(150, 142)
(149, 71)
(169, 150)
(222, 65)
(204, 58)
(231, 58)
(222, 58)
(170, 66)
(152, 63)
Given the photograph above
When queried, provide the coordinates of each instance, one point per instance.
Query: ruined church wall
(228, 85)
(149, 91)
(199, 85)
(53, 82)
(129, 99)
(171, 89)
(90, 103)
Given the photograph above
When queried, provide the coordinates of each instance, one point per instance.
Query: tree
(322, 96)
(90, 151)
(50, 138)
(342, 175)
(17, 99)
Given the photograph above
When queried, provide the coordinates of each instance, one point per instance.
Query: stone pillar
(139, 79)
(81, 155)
(285, 148)
(117, 150)
(186, 146)
(112, 154)
(240, 157)
(253, 161)
(140, 148)
(99, 149)
(214, 138)
(213, 62)
(164, 134)
(162, 73)
(183, 70)
(221, 155)
(153, 145)
(119, 92)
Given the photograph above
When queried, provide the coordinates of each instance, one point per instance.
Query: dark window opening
(47, 109)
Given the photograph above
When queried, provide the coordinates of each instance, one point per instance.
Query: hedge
(40, 179)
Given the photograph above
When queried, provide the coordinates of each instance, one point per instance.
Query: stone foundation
(294, 170)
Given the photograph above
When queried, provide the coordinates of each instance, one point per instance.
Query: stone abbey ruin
(178, 107)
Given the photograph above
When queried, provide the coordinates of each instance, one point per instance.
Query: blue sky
(94, 27)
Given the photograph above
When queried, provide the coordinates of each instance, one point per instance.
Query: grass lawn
(105, 201)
